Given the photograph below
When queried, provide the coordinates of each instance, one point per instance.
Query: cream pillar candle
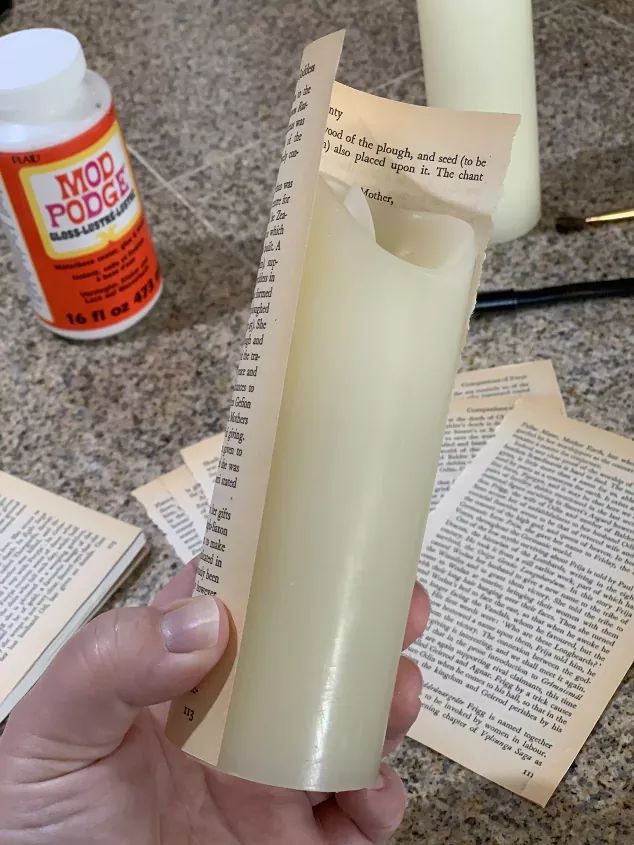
(335, 426)
(478, 55)
(378, 332)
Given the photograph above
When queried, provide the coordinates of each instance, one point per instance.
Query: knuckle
(97, 645)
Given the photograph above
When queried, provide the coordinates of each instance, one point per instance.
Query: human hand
(84, 757)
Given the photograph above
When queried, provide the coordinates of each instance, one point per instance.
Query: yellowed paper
(399, 153)
(471, 423)
(226, 721)
(529, 560)
(190, 495)
(228, 551)
(202, 461)
(58, 560)
(533, 377)
(178, 525)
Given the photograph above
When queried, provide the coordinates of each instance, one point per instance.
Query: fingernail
(192, 626)
(379, 783)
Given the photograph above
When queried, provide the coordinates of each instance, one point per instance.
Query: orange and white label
(75, 219)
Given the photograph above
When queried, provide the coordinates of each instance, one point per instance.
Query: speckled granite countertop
(203, 92)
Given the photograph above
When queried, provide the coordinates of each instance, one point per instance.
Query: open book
(59, 562)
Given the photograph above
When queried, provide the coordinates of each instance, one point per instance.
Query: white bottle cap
(40, 69)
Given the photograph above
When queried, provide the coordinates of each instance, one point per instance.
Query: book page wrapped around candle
(359, 314)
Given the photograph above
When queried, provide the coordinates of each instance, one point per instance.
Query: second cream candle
(478, 55)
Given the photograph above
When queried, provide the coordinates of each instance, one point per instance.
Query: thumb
(123, 660)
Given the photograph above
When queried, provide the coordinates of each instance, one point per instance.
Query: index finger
(418, 616)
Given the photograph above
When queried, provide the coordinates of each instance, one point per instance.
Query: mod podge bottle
(69, 202)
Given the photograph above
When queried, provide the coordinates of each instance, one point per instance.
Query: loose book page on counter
(529, 561)
(189, 494)
(471, 423)
(178, 524)
(535, 377)
(202, 461)
(177, 502)
(55, 557)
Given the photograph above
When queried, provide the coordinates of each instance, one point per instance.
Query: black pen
(504, 300)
